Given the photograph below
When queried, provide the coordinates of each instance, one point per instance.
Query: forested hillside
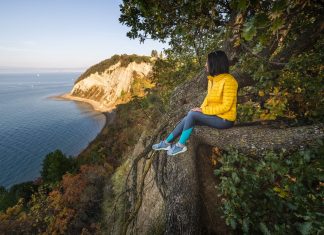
(263, 176)
(105, 64)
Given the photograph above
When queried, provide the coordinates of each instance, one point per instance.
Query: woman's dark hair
(217, 63)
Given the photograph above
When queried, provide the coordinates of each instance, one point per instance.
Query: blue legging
(193, 118)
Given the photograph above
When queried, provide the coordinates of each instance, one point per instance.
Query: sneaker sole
(184, 150)
(167, 148)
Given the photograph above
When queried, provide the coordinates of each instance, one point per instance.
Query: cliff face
(180, 194)
(106, 87)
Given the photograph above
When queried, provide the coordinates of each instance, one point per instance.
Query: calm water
(32, 125)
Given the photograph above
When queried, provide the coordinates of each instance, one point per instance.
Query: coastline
(95, 105)
(109, 118)
(108, 112)
(102, 134)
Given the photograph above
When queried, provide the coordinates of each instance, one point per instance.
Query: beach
(96, 105)
(109, 113)
(109, 117)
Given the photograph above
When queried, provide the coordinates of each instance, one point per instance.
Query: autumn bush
(9, 197)
(70, 208)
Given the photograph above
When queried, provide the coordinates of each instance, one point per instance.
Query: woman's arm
(204, 103)
(229, 94)
(208, 90)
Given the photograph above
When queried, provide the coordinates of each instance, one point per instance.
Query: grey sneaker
(161, 146)
(176, 149)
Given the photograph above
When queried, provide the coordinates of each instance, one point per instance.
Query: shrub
(273, 194)
(10, 197)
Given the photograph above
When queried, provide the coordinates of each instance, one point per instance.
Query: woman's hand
(196, 109)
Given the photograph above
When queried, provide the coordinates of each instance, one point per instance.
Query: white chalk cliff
(103, 89)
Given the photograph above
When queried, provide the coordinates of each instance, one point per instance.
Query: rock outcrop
(179, 195)
(102, 90)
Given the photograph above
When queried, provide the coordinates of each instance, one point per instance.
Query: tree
(269, 47)
(154, 53)
(55, 165)
(258, 27)
(11, 196)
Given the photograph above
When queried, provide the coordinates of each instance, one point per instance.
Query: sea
(33, 125)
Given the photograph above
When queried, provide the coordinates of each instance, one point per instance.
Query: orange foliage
(72, 208)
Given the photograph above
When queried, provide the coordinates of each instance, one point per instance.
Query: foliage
(68, 209)
(9, 198)
(124, 60)
(302, 80)
(131, 120)
(268, 38)
(275, 105)
(139, 88)
(96, 156)
(56, 164)
(248, 112)
(172, 71)
(12, 218)
(115, 199)
(140, 85)
(294, 92)
(274, 193)
(191, 26)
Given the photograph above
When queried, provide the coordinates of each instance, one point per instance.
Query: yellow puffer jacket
(221, 98)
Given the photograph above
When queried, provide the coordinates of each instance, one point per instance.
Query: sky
(64, 34)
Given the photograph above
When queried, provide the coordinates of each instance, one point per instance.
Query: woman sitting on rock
(218, 109)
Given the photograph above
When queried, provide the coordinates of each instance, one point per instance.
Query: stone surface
(186, 183)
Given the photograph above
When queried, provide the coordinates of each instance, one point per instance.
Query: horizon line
(18, 69)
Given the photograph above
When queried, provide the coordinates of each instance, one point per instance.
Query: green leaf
(249, 31)
(242, 5)
(245, 226)
(264, 229)
(261, 20)
(233, 223)
(305, 228)
(291, 206)
(277, 23)
(279, 5)
(235, 177)
(306, 154)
